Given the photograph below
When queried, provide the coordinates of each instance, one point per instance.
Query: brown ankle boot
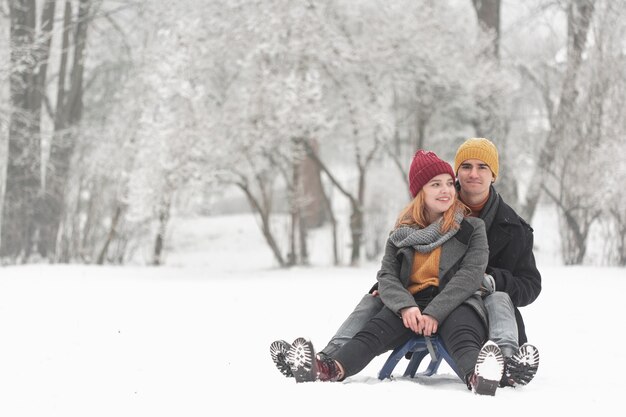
(327, 369)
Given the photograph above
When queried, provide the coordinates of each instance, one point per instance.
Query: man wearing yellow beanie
(481, 149)
(477, 160)
(511, 279)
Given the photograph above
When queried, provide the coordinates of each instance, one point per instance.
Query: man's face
(475, 177)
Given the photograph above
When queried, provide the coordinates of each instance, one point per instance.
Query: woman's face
(439, 195)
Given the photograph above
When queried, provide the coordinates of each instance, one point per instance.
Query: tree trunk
(488, 13)
(421, 120)
(303, 236)
(300, 204)
(333, 227)
(265, 223)
(575, 222)
(68, 114)
(159, 243)
(620, 231)
(293, 226)
(574, 241)
(356, 232)
(110, 236)
(314, 212)
(23, 177)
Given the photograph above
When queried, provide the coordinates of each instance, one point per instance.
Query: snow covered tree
(590, 171)
(582, 130)
(48, 45)
(562, 117)
(171, 139)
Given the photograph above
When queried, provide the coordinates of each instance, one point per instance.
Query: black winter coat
(511, 260)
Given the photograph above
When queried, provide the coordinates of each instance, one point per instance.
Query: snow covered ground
(192, 338)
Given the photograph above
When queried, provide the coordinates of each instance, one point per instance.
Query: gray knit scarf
(426, 239)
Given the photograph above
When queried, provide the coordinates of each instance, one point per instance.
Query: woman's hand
(412, 319)
(430, 325)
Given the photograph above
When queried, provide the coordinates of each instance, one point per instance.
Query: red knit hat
(424, 167)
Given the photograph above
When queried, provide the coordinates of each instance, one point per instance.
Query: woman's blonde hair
(415, 214)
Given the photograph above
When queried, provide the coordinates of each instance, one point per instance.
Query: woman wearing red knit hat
(432, 268)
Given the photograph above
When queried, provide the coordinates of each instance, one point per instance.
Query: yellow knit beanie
(478, 148)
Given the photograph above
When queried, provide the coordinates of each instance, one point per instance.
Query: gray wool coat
(461, 268)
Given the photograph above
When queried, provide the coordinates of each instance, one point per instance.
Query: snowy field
(192, 338)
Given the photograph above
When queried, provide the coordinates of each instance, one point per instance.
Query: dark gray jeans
(463, 333)
(502, 323)
(500, 310)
